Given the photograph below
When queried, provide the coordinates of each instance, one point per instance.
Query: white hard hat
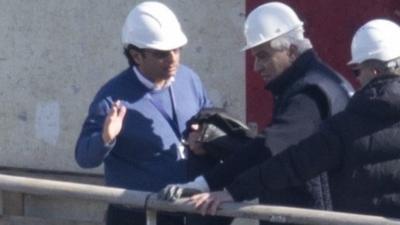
(153, 25)
(378, 39)
(269, 21)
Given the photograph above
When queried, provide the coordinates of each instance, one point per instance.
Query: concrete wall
(54, 55)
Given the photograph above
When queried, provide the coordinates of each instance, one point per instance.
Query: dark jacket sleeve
(334, 146)
(299, 119)
(223, 174)
(90, 149)
(292, 167)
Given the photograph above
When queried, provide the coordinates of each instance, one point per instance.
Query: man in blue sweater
(136, 120)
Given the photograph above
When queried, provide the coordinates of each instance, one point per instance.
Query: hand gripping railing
(148, 201)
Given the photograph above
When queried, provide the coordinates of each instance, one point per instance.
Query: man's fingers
(122, 111)
(214, 206)
(208, 203)
(117, 103)
(203, 202)
(204, 206)
(199, 199)
(117, 109)
(113, 111)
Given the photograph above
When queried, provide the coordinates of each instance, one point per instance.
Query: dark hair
(128, 55)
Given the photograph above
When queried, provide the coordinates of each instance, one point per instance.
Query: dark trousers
(119, 215)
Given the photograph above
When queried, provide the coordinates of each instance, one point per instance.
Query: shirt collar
(150, 85)
(293, 73)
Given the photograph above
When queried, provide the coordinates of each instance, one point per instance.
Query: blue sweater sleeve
(90, 149)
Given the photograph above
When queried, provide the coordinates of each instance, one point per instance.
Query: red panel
(330, 25)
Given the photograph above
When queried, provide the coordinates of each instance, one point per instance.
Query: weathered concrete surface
(54, 55)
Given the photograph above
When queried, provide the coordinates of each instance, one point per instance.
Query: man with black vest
(306, 92)
(359, 146)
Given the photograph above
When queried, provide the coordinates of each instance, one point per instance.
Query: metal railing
(149, 202)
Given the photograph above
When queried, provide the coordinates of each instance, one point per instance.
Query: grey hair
(388, 67)
(293, 37)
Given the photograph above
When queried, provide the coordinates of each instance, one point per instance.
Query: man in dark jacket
(360, 146)
(305, 91)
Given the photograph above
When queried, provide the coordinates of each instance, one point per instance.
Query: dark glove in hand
(221, 134)
(173, 192)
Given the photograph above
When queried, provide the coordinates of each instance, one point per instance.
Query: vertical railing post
(151, 217)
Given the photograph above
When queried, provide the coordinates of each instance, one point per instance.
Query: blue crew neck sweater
(145, 155)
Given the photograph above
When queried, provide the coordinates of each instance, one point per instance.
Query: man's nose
(172, 55)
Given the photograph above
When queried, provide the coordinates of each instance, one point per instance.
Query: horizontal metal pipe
(137, 199)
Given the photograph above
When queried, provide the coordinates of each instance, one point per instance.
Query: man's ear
(376, 71)
(136, 56)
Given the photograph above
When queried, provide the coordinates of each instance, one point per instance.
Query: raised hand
(113, 122)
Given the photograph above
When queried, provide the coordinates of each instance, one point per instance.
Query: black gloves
(173, 192)
(221, 134)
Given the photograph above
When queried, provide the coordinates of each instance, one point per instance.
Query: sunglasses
(161, 54)
(356, 72)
